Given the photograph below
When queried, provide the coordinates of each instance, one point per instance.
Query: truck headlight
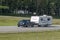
(23, 23)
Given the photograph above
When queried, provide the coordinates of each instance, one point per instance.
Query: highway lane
(15, 29)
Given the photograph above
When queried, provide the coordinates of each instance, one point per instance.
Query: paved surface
(15, 29)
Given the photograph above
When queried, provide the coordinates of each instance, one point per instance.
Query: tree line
(49, 7)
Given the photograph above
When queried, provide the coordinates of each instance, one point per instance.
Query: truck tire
(18, 25)
(32, 25)
(25, 26)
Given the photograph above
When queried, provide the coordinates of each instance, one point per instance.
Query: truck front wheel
(18, 25)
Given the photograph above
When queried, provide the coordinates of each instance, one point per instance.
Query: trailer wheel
(39, 25)
(45, 25)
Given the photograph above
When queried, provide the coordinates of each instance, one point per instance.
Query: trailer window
(48, 19)
(41, 19)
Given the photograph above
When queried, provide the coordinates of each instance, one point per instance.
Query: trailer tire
(45, 25)
(39, 25)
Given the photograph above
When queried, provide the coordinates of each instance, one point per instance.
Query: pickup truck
(25, 23)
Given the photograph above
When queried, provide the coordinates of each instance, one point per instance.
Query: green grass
(54, 35)
(12, 21)
(56, 21)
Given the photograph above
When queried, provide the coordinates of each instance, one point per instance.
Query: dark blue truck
(25, 23)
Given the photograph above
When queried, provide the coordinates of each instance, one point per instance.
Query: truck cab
(24, 23)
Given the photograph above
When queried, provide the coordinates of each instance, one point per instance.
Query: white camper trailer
(41, 20)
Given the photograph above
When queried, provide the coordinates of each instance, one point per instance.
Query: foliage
(49, 7)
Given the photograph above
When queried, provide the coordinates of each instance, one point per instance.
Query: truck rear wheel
(32, 25)
(25, 26)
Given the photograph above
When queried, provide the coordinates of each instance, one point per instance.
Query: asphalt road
(15, 29)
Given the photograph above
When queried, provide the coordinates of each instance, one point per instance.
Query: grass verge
(12, 21)
(56, 21)
(54, 35)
